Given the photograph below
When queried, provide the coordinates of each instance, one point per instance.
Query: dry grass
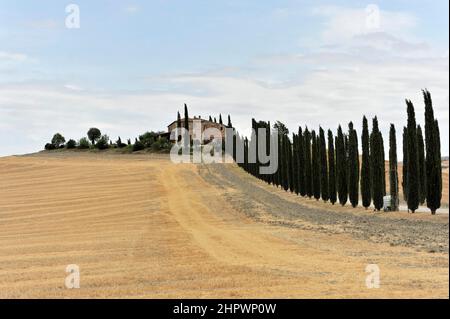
(141, 227)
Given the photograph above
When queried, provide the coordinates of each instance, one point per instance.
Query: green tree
(220, 119)
(365, 166)
(393, 168)
(315, 165)
(376, 165)
(71, 144)
(186, 126)
(229, 122)
(138, 145)
(94, 134)
(405, 164)
(353, 166)
(413, 160)
(323, 166)
(83, 143)
(331, 168)
(58, 140)
(102, 142)
(281, 128)
(422, 167)
(341, 166)
(301, 163)
(308, 164)
(433, 159)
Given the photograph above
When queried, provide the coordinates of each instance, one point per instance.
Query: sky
(131, 65)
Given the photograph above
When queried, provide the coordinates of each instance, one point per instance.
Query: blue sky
(131, 65)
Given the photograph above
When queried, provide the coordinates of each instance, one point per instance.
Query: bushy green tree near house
(58, 140)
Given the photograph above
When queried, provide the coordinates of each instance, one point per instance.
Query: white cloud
(12, 57)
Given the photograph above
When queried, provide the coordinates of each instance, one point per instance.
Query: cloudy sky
(131, 65)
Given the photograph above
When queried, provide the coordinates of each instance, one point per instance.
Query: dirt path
(146, 228)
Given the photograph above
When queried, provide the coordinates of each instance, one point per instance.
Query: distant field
(139, 226)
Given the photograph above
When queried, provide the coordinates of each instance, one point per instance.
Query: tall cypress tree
(301, 163)
(376, 165)
(433, 156)
(341, 166)
(186, 125)
(308, 165)
(331, 169)
(229, 121)
(365, 166)
(405, 164)
(295, 162)
(353, 166)
(413, 160)
(285, 163)
(315, 159)
(290, 164)
(422, 168)
(393, 168)
(323, 167)
(220, 119)
(178, 126)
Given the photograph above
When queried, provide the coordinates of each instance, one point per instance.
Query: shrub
(148, 138)
(49, 146)
(138, 146)
(71, 144)
(161, 144)
(102, 143)
(119, 143)
(83, 143)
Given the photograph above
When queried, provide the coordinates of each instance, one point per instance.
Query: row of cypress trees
(329, 168)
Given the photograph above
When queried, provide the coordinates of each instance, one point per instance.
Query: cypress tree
(433, 159)
(210, 119)
(323, 166)
(285, 163)
(422, 168)
(290, 164)
(308, 164)
(186, 124)
(413, 160)
(393, 168)
(301, 163)
(365, 166)
(220, 119)
(295, 162)
(353, 166)
(341, 167)
(405, 165)
(376, 165)
(331, 169)
(229, 121)
(178, 126)
(315, 159)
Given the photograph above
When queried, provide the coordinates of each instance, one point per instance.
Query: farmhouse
(205, 124)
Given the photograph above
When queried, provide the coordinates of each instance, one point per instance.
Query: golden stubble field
(142, 227)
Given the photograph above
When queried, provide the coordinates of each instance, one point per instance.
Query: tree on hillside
(210, 119)
(366, 195)
(178, 138)
(229, 122)
(295, 162)
(315, 159)
(331, 169)
(353, 166)
(422, 167)
(308, 165)
(376, 165)
(281, 128)
(413, 160)
(393, 168)
(58, 140)
(220, 119)
(323, 166)
(94, 134)
(290, 164)
(433, 159)
(341, 167)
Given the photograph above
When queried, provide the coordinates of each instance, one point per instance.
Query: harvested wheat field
(139, 226)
